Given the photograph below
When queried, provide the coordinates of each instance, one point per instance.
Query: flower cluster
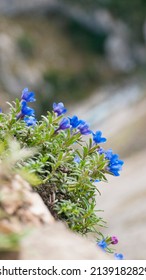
(67, 166)
(114, 163)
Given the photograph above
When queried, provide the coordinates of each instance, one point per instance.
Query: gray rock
(118, 53)
(11, 7)
(57, 242)
(118, 47)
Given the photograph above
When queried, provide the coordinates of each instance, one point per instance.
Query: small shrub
(68, 167)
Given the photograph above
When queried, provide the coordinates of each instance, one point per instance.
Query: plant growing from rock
(67, 165)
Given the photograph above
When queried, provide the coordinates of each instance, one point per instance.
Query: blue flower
(101, 151)
(75, 122)
(97, 137)
(77, 159)
(95, 181)
(115, 164)
(0, 110)
(27, 95)
(84, 128)
(118, 256)
(80, 124)
(30, 121)
(102, 244)
(25, 110)
(109, 154)
(59, 108)
(64, 124)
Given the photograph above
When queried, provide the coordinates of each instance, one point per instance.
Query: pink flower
(114, 240)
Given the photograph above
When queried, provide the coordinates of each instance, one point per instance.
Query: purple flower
(102, 244)
(27, 95)
(30, 121)
(114, 240)
(64, 124)
(97, 137)
(59, 108)
(0, 110)
(75, 122)
(84, 128)
(118, 256)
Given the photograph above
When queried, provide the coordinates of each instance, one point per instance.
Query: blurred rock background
(92, 56)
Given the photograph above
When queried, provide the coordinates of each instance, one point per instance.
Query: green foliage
(68, 86)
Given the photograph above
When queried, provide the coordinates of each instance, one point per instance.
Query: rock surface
(56, 242)
(20, 206)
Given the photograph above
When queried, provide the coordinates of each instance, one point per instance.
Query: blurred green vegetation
(85, 39)
(26, 45)
(64, 84)
(133, 12)
(68, 57)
